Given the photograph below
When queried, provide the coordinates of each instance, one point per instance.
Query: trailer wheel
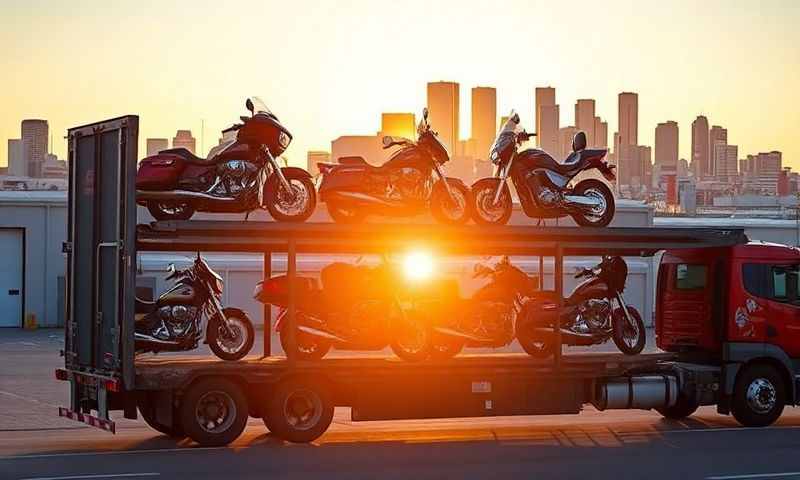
(683, 408)
(148, 415)
(299, 411)
(758, 396)
(214, 412)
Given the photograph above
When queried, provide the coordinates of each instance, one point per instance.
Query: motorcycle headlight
(284, 140)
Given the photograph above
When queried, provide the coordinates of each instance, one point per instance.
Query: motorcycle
(490, 318)
(240, 176)
(190, 310)
(356, 308)
(594, 312)
(409, 183)
(542, 184)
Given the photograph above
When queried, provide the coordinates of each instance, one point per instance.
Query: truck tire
(148, 415)
(213, 412)
(299, 411)
(683, 408)
(759, 396)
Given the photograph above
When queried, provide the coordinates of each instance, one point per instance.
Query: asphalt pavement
(36, 444)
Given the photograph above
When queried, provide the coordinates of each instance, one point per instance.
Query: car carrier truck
(727, 320)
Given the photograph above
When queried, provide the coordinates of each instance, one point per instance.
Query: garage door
(11, 263)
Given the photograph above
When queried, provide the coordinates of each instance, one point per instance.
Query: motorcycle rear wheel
(308, 347)
(442, 208)
(536, 348)
(444, 347)
(170, 210)
(603, 215)
(628, 341)
(483, 212)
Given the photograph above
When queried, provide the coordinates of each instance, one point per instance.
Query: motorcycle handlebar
(525, 136)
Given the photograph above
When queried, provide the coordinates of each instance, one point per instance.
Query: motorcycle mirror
(249, 105)
(387, 141)
(515, 118)
(425, 113)
(171, 268)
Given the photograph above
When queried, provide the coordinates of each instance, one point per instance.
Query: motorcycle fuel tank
(179, 294)
(593, 288)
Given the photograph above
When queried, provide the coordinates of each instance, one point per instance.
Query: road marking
(754, 475)
(115, 452)
(109, 475)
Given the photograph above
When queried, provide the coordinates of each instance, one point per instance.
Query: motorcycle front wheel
(345, 214)
(412, 338)
(295, 205)
(484, 210)
(307, 346)
(235, 341)
(452, 211)
(170, 210)
(601, 215)
(629, 338)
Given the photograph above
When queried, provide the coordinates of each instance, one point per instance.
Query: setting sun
(418, 265)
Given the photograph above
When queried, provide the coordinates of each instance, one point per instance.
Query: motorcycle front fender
(295, 172)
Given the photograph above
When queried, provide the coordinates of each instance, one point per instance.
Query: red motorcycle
(241, 176)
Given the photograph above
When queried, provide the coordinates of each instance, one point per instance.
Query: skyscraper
(600, 133)
(565, 136)
(725, 161)
(155, 145)
(667, 144)
(398, 125)
(546, 130)
(184, 139)
(701, 152)
(716, 136)
(34, 145)
(443, 110)
(16, 162)
(484, 120)
(584, 119)
(628, 110)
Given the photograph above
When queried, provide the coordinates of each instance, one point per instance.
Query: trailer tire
(299, 411)
(683, 408)
(214, 412)
(759, 396)
(174, 431)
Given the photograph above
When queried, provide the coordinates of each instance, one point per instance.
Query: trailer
(210, 401)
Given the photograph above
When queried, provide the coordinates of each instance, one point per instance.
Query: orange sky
(328, 68)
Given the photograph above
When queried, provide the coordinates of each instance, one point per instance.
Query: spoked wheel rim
(294, 202)
(761, 395)
(596, 213)
(215, 411)
(233, 338)
(454, 208)
(486, 208)
(302, 409)
(630, 332)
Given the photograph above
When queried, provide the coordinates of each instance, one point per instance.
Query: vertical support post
(267, 308)
(291, 272)
(558, 274)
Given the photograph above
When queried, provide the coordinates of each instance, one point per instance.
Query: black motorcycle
(409, 183)
(357, 307)
(489, 318)
(593, 313)
(542, 184)
(240, 176)
(180, 318)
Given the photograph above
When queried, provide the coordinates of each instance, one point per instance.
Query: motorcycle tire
(157, 211)
(300, 184)
(595, 188)
(442, 205)
(242, 325)
(482, 195)
(536, 348)
(341, 214)
(418, 326)
(620, 328)
(446, 347)
(308, 347)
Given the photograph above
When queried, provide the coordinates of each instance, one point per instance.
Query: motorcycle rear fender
(279, 322)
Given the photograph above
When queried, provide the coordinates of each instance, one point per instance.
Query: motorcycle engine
(594, 314)
(406, 183)
(493, 320)
(235, 175)
(178, 318)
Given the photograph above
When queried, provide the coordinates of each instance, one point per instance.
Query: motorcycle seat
(189, 156)
(356, 161)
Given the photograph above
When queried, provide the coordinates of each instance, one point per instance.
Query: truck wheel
(758, 396)
(214, 412)
(149, 417)
(683, 408)
(299, 411)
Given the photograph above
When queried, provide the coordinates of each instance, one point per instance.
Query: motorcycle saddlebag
(159, 172)
(343, 177)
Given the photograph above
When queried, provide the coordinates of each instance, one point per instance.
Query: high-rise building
(546, 125)
(443, 110)
(155, 145)
(725, 161)
(53, 167)
(584, 118)
(565, 136)
(35, 134)
(716, 135)
(184, 139)
(398, 125)
(313, 157)
(600, 133)
(16, 161)
(701, 150)
(628, 110)
(666, 144)
(368, 147)
(484, 120)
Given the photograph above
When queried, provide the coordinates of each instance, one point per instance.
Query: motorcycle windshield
(505, 143)
(260, 107)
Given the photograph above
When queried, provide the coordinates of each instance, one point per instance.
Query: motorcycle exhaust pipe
(358, 197)
(320, 333)
(580, 201)
(173, 195)
(568, 337)
(642, 392)
(141, 337)
(456, 333)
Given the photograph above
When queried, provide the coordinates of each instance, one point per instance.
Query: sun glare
(418, 265)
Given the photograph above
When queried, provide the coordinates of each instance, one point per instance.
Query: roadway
(35, 444)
